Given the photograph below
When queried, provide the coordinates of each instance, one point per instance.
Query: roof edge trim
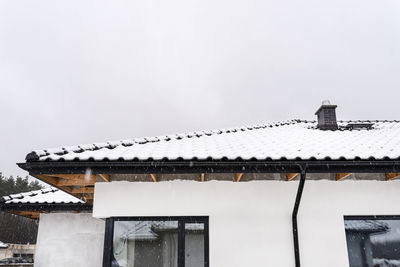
(45, 207)
(188, 166)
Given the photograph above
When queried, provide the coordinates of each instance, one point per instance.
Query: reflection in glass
(145, 243)
(194, 244)
(373, 243)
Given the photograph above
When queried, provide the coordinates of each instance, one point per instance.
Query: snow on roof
(47, 195)
(295, 139)
(370, 226)
(2, 245)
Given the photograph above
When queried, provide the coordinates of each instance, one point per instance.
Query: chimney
(327, 116)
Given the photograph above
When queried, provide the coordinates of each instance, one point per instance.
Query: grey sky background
(75, 72)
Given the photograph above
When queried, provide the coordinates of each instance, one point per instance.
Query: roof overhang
(33, 210)
(74, 178)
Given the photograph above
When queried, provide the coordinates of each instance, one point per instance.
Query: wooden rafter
(80, 181)
(341, 176)
(36, 215)
(83, 190)
(154, 177)
(202, 178)
(69, 176)
(290, 176)
(67, 179)
(392, 176)
(29, 214)
(67, 188)
(239, 177)
(73, 183)
(105, 177)
(88, 196)
(48, 179)
(79, 185)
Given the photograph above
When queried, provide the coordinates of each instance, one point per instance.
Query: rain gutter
(43, 207)
(210, 166)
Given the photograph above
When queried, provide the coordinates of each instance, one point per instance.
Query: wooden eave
(29, 214)
(79, 185)
(71, 178)
(33, 210)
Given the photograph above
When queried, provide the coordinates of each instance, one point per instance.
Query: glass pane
(145, 244)
(194, 245)
(373, 243)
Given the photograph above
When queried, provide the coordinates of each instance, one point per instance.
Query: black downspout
(294, 216)
(181, 243)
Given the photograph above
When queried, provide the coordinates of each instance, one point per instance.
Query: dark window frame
(182, 220)
(368, 217)
(371, 217)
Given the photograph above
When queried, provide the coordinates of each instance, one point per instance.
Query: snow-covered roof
(2, 245)
(294, 139)
(369, 226)
(47, 195)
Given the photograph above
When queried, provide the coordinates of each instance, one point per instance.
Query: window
(373, 241)
(156, 242)
(27, 256)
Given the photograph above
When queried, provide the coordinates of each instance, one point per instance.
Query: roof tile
(295, 139)
(47, 195)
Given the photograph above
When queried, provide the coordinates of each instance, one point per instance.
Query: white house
(280, 194)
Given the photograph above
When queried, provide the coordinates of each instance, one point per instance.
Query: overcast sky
(75, 72)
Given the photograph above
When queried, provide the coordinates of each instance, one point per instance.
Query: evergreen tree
(9, 185)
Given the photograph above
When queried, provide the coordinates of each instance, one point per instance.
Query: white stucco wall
(69, 239)
(250, 222)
